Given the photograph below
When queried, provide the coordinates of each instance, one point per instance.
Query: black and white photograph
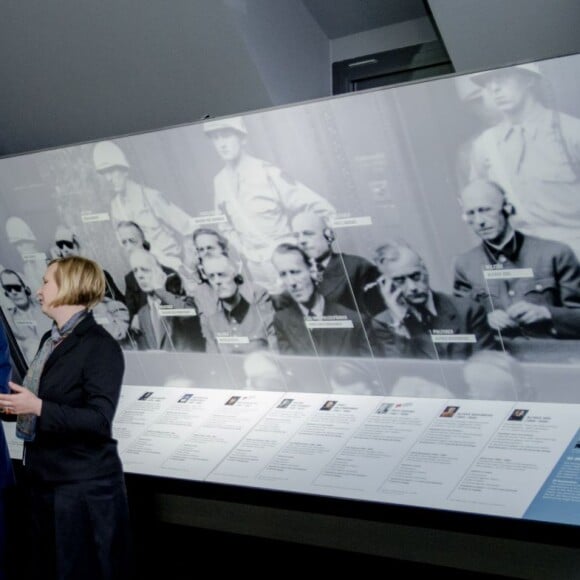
(421, 240)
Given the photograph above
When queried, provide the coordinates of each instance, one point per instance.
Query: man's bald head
(485, 209)
(312, 234)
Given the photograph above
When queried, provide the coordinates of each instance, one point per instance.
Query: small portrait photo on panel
(518, 415)
(449, 411)
(328, 405)
(384, 408)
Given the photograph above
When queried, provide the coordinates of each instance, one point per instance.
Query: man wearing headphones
(343, 278)
(167, 321)
(312, 324)
(238, 326)
(529, 286)
(131, 237)
(257, 198)
(533, 152)
(25, 317)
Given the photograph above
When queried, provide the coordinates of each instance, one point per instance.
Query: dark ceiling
(343, 17)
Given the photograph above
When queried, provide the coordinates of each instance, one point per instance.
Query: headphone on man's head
(328, 234)
(508, 209)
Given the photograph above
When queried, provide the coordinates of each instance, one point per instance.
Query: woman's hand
(20, 402)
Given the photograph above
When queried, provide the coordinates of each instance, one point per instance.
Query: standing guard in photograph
(257, 198)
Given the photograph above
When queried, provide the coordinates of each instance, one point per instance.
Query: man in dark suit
(344, 278)
(167, 321)
(131, 236)
(420, 322)
(529, 286)
(312, 324)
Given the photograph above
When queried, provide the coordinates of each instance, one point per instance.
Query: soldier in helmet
(26, 319)
(164, 224)
(33, 259)
(258, 200)
(66, 243)
(533, 153)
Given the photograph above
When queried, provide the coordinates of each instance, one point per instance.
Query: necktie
(519, 146)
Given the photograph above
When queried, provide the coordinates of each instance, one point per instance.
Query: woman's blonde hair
(80, 281)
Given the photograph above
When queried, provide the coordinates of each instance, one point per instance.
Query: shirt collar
(238, 312)
(510, 249)
(539, 118)
(317, 308)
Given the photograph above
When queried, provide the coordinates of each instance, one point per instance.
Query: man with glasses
(24, 315)
(67, 244)
(418, 321)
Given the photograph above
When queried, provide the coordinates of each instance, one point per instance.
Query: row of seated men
(512, 291)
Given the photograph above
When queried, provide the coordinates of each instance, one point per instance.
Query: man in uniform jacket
(530, 286)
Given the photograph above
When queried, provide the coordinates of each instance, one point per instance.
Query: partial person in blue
(6, 475)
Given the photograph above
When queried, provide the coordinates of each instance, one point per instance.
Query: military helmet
(531, 68)
(64, 233)
(107, 155)
(233, 123)
(18, 230)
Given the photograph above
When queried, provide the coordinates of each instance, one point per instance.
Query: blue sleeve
(5, 362)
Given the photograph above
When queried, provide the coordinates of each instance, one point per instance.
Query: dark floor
(181, 553)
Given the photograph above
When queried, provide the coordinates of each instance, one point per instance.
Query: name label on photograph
(166, 310)
(34, 257)
(25, 323)
(350, 222)
(328, 322)
(508, 273)
(205, 220)
(450, 338)
(88, 217)
(232, 340)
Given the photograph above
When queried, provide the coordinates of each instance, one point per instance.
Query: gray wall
(487, 34)
(78, 70)
(381, 39)
(289, 49)
(75, 70)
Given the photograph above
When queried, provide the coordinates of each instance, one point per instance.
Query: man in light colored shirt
(257, 198)
(237, 326)
(163, 223)
(533, 153)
